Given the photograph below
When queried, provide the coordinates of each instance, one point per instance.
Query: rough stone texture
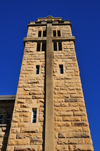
(71, 124)
(65, 30)
(30, 94)
(71, 128)
(33, 31)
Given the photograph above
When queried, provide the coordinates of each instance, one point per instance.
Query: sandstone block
(19, 142)
(58, 118)
(80, 113)
(63, 113)
(80, 123)
(62, 147)
(14, 125)
(62, 124)
(10, 148)
(12, 136)
(88, 141)
(71, 118)
(81, 141)
(30, 130)
(21, 124)
(15, 130)
(15, 120)
(83, 148)
(61, 135)
(71, 129)
(86, 129)
(25, 148)
(36, 141)
(84, 118)
(62, 141)
(72, 141)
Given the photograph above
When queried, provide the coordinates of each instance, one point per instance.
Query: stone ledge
(35, 39)
(4, 125)
(69, 38)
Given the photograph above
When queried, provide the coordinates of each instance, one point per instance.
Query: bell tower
(49, 112)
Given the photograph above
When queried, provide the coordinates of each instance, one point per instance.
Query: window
(44, 46)
(41, 46)
(58, 32)
(60, 46)
(44, 33)
(8, 118)
(34, 115)
(37, 69)
(39, 33)
(61, 69)
(54, 33)
(1, 118)
(38, 46)
(55, 46)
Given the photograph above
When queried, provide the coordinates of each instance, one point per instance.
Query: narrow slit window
(1, 118)
(44, 33)
(44, 46)
(38, 46)
(39, 33)
(8, 118)
(34, 115)
(61, 69)
(54, 33)
(58, 32)
(55, 46)
(60, 46)
(37, 69)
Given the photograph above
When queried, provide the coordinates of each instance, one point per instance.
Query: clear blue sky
(85, 18)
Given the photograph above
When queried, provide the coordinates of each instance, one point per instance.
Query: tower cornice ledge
(69, 38)
(34, 39)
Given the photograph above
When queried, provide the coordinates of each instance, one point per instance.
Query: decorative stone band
(69, 38)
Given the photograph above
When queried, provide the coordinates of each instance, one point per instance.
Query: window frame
(2, 118)
(32, 118)
(56, 31)
(61, 69)
(8, 119)
(41, 43)
(58, 42)
(42, 33)
(37, 71)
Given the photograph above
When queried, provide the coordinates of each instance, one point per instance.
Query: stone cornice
(69, 38)
(35, 39)
(45, 24)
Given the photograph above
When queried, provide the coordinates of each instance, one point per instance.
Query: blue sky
(85, 18)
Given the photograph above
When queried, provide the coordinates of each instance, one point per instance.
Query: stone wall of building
(6, 107)
(65, 30)
(33, 31)
(72, 131)
(25, 135)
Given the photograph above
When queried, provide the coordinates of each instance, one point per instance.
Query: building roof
(7, 97)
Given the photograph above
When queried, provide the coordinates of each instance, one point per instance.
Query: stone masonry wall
(65, 30)
(33, 31)
(72, 131)
(25, 135)
(5, 107)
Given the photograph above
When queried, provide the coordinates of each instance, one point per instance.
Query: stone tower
(49, 112)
